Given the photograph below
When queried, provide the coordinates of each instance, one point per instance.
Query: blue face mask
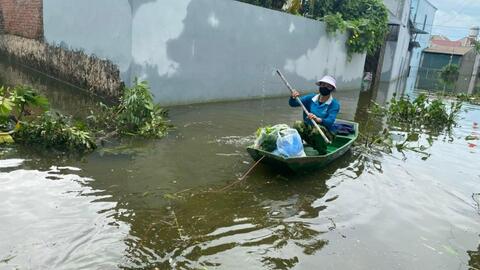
(324, 91)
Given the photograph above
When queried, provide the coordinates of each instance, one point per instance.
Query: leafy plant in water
(136, 115)
(6, 104)
(411, 124)
(423, 113)
(53, 130)
(24, 97)
(16, 103)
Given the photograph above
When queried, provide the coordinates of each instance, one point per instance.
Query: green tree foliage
(477, 46)
(295, 8)
(366, 23)
(272, 4)
(449, 74)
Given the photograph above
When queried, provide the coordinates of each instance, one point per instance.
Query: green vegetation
(25, 118)
(17, 117)
(55, 131)
(432, 114)
(411, 124)
(266, 137)
(365, 21)
(472, 99)
(477, 46)
(272, 4)
(135, 115)
(449, 74)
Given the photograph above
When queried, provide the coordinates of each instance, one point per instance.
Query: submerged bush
(53, 130)
(22, 113)
(411, 124)
(421, 112)
(136, 115)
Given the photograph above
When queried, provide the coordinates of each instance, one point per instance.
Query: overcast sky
(455, 17)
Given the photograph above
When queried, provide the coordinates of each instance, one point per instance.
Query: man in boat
(323, 109)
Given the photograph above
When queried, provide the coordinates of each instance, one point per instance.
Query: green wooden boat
(340, 145)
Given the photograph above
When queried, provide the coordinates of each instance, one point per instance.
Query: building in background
(422, 17)
(443, 52)
(397, 55)
(394, 58)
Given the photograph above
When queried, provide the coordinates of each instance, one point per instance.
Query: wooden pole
(303, 107)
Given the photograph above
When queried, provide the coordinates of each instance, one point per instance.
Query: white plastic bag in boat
(289, 143)
(267, 137)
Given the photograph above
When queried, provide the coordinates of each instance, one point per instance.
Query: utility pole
(473, 80)
(474, 36)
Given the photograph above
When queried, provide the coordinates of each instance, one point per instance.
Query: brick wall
(1, 22)
(22, 18)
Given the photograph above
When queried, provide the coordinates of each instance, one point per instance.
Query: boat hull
(344, 144)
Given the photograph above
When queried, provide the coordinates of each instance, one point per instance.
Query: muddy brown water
(155, 204)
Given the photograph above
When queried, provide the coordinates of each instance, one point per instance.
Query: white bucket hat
(328, 79)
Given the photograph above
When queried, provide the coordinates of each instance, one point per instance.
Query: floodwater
(167, 204)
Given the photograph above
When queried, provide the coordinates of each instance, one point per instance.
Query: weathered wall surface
(203, 50)
(466, 70)
(98, 27)
(98, 76)
(397, 56)
(22, 18)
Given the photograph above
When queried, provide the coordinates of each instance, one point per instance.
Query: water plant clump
(135, 115)
(54, 130)
(410, 124)
(25, 119)
(422, 113)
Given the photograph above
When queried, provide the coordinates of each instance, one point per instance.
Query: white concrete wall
(204, 50)
(397, 56)
(100, 27)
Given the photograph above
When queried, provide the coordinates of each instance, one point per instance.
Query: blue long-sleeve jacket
(327, 111)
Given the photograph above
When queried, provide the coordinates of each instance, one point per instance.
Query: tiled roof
(446, 43)
(448, 50)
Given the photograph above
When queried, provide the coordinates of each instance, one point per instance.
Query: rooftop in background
(443, 45)
(448, 50)
(446, 43)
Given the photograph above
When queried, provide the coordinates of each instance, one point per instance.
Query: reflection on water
(149, 204)
(474, 262)
(64, 98)
(49, 217)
